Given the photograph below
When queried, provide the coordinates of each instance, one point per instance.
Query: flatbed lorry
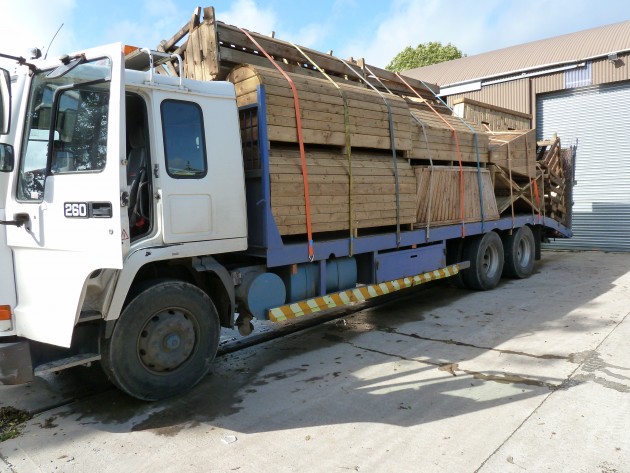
(132, 229)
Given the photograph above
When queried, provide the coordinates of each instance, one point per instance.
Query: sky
(372, 29)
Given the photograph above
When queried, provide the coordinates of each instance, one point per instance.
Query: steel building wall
(598, 117)
(605, 71)
(560, 50)
(520, 96)
(548, 83)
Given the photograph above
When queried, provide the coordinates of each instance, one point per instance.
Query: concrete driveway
(533, 376)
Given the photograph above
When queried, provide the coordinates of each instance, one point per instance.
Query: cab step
(69, 362)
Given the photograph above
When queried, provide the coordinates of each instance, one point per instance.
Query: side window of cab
(184, 143)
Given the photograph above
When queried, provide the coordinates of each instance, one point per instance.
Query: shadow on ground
(399, 363)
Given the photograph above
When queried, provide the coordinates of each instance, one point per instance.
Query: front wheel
(164, 341)
(485, 253)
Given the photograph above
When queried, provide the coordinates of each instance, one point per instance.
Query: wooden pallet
(515, 194)
(373, 192)
(514, 151)
(438, 196)
(322, 110)
(556, 168)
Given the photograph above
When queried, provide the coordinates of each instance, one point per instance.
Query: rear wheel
(485, 253)
(520, 253)
(164, 341)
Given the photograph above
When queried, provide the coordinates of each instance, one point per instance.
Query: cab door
(200, 166)
(68, 190)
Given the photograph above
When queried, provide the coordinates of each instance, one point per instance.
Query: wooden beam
(168, 45)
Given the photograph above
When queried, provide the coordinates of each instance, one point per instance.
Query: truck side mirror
(5, 101)
(6, 158)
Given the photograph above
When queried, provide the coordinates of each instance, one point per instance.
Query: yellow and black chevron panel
(359, 294)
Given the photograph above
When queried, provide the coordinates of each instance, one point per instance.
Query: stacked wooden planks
(514, 151)
(322, 110)
(439, 195)
(373, 194)
(434, 139)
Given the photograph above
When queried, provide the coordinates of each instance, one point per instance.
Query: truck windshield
(80, 135)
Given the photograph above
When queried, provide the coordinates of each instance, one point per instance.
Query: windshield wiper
(67, 65)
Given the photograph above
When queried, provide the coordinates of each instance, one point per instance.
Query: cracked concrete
(533, 376)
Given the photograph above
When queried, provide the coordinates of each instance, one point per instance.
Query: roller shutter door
(598, 119)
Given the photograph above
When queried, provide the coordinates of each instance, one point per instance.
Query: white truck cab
(107, 172)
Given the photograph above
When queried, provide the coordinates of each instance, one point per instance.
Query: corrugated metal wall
(598, 118)
(516, 94)
(605, 71)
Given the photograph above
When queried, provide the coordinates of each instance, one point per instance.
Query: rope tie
(511, 181)
(392, 139)
(429, 207)
(476, 139)
(459, 155)
(532, 182)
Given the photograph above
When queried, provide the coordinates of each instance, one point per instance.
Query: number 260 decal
(75, 210)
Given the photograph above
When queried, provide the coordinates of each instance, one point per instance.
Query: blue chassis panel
(277, 253)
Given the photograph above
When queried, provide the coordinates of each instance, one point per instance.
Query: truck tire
(485, 253)
(520, 253)
(164, 341)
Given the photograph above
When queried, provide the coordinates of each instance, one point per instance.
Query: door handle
(100, 210)
(20, 219)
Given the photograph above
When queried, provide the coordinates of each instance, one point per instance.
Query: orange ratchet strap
(346, 122)
(298, 123)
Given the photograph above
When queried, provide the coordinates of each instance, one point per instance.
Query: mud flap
(16, 366)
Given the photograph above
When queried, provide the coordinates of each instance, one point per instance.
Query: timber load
(322, 108)
(433, 137)
(340, 198)
(334, 205)
(349, 146)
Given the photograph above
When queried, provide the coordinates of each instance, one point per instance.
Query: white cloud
(476, 27)
(309, 35)
(158, 20)
(247, 14)
(33, 23)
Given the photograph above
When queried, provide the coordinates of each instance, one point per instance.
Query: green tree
(423, 55)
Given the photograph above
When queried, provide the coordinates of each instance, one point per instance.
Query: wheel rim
(523, 252)
(167, 340)
(490, 262)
